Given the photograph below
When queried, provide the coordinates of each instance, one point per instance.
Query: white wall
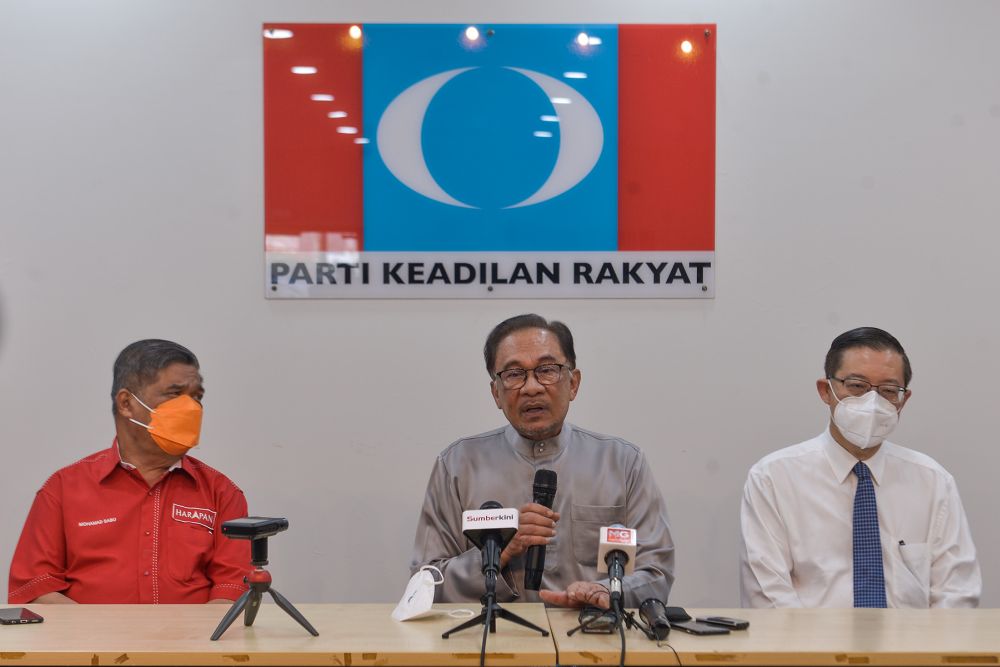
(858, 178)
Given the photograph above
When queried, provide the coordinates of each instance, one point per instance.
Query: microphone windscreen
(546, 479)
(490, 505)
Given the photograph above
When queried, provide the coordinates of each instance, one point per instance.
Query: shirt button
(147, 532)
(146, 573)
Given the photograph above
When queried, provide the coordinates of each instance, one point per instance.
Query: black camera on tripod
(253, 527)
(257, 529)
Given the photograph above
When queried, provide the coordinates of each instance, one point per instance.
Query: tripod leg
(290, 609)
(253, 607)
(514, 618)
(466, 625)
(231, 615)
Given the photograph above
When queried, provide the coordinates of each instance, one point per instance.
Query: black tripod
(259, 581)
(491, 612)
(618, 618)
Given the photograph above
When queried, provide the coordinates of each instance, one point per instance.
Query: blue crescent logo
(399, 137)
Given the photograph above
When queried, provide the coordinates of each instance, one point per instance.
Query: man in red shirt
(137, 522)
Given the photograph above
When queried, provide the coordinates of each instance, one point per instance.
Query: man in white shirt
(849, 519)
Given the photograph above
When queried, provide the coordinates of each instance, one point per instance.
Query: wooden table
(840, 637)
(350, 634)
(364, 634)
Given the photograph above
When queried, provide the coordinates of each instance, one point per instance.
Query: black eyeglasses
(855, 387)
(515, 378)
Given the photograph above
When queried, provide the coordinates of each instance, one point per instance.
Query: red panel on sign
(312, 164)
(666, 142)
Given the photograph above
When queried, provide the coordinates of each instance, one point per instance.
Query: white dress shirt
(796, 520)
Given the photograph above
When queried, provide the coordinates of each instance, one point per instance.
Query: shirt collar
(539, 450)
(114, 460)
(842, 462)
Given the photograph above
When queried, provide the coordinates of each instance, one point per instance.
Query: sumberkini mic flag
(500, 160)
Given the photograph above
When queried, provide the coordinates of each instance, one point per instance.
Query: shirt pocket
(586, 528)
(913, 576)
(188, 551)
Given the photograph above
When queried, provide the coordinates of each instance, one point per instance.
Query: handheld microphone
(615, 556)
(654, 614)
(534, 561)
(490, 528)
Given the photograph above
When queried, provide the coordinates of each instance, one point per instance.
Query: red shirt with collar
(98, 533)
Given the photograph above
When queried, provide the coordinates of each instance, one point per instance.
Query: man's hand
(578, 594)
(53, 598)
(536, 525)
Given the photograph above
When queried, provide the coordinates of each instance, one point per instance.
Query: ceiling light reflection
(321, 97)
(303, 69)
(594, 41)
(543, 134)
(347, 129)
(574, 75)
(361, 140)
(354, 31)
(560, 100)
(686, 46)
(549, 119)
(583, 39)
(472, 33)
(337, 114)
(278, 33)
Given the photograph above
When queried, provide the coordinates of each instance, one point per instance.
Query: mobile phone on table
(696, 628)
(725, 622)
(18, 615)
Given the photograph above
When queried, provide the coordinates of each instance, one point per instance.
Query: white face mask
(418, 598)
(864, 420)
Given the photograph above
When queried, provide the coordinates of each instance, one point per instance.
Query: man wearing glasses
(849, 519)
(602, 480)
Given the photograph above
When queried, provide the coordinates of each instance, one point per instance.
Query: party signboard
(489, 161)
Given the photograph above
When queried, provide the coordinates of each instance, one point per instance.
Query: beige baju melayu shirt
(601, 480)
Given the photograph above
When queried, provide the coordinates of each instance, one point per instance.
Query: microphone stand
(491, 608)
(622, 619)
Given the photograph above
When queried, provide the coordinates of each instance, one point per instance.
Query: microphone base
(490, 613)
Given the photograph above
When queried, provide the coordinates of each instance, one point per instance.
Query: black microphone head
(545, 481)
(651, 608)
(654, 614)
(490, 505)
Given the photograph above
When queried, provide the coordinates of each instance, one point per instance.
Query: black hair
(529, 321)
(870, 337)
(139, 364)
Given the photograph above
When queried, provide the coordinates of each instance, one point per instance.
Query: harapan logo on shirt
(196, 515)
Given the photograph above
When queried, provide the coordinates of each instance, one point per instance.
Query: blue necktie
(869, 580)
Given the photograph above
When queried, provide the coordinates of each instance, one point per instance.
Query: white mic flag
(478, 523)
(617, 538)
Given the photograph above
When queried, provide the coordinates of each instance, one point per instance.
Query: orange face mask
(175, 424)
